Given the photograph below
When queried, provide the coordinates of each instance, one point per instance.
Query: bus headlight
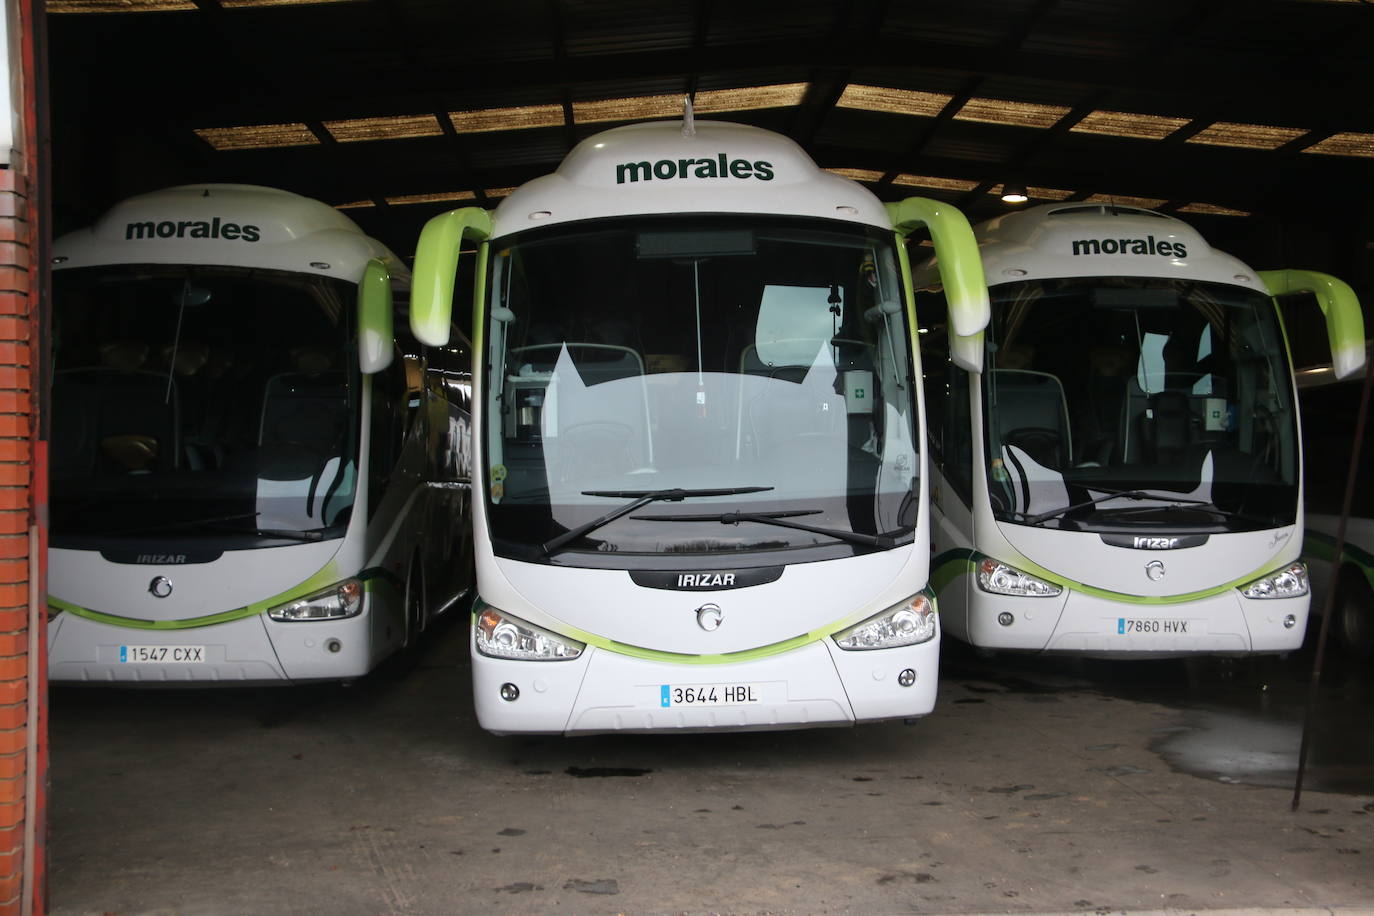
(1001, 579)
(502, 636)
(1289, 582)
(905, 624)
(343, 599)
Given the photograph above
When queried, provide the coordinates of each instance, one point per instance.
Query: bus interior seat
(304, 420)
(1167, 427)
(1033, 415)
(112, 420)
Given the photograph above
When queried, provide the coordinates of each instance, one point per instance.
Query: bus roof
(233, 225)
(681, 167)
(1076, 239)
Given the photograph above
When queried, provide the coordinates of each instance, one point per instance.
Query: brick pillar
(17, 517)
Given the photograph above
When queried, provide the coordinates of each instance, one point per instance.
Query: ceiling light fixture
(1013, 193)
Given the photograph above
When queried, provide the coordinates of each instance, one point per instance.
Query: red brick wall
(16, 512)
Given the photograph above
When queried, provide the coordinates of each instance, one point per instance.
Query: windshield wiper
(1164, 502)
(187, 523)
(885, 541)
(307, 534)
(640, 498)
(1198, 505)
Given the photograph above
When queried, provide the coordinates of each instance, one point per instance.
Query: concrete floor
(1036, 786)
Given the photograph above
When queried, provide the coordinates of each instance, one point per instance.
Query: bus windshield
(1134, 402)
(202, 402)
(762, 366)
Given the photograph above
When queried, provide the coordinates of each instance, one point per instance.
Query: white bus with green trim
(1116, 459)
(1329, 409)
(241, 458)
(699, 500)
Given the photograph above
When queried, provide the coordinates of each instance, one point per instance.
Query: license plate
(1157, 626)
(161, 655)
(670, 695)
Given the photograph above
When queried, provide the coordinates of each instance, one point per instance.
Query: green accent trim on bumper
(951, 564)
(371, 579)
(683, 658)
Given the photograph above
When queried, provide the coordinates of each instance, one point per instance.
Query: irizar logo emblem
(160, 558)
(709, 617)
(192, 229)
(706, 580)
(160, 587)
(1147, 245)
(1154, 543)
(722, 166)
(1154, 570)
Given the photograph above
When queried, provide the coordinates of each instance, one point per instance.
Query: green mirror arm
(1340, 305)
(436, 264)
(376, 335)
(956, 252)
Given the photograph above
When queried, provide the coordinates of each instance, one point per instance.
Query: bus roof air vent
(1104, 210)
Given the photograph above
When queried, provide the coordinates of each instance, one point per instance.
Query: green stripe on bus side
(1323, 547)
(948, 565)
(371, 579)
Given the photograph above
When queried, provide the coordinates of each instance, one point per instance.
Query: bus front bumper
(1221, 624)
(601, 691)
(251, 650)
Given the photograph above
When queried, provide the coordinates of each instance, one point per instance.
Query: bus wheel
(415, 602)
(1354, 615)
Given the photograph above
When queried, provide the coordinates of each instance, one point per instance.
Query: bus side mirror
(967, 352)
(961, 272)
(376, 342)
(1340, 305)
(436, 266)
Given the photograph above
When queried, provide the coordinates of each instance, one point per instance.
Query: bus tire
(1354, 614)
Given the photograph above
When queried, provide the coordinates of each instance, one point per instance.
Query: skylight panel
(749, 98)
(1035, 193)
(633, 109)
(1345, 144)
(118, 6)
(431, 198)
(1014, 114)
(938, 184)
(258, 136)
(400, 127)
(1247, 136)
(519, 117)
(894, 101)
(1211, 210)
(868, 175)
(1128, 124)
(1144, 203)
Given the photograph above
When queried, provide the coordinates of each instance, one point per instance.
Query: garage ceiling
(1228, 112)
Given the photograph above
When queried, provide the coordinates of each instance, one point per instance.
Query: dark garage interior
(1040, 783)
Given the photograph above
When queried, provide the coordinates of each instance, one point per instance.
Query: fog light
(907, 677)
(333, 645)
(510, 693)
(1290, 622)
(1006, 619)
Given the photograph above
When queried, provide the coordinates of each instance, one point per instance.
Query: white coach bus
(241, 458)
(699, 499)
(1123, 478)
